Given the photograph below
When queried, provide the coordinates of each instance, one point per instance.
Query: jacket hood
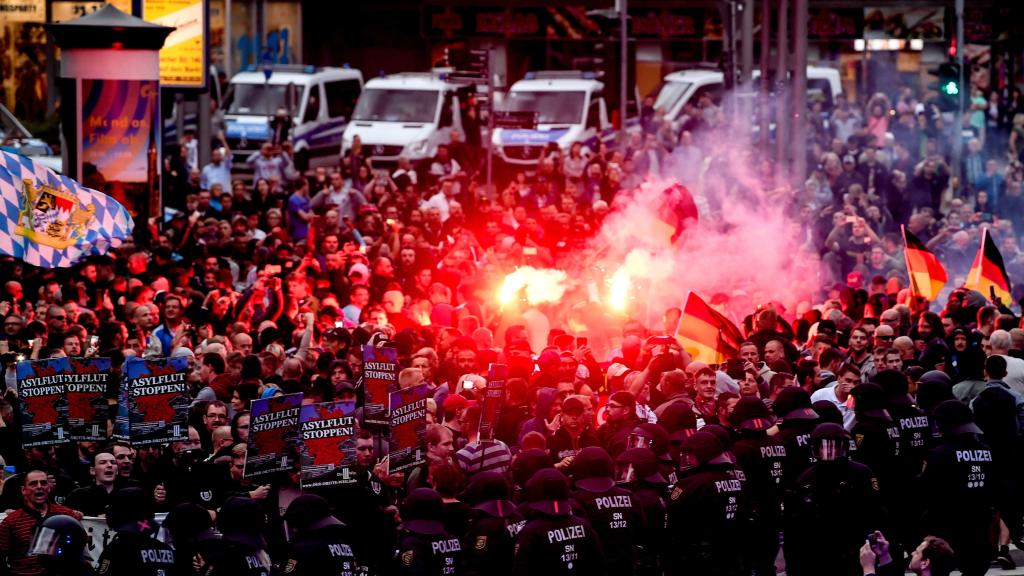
(545, 398)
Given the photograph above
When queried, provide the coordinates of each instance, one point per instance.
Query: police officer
(188, 528)
(793, 406)
(554, 542)
(425, 547)
(134, 551)
(833, 506)
(608, 508)
(762, 459)
(915, 437)
(959, 488)
(319, 541)
(367, 503)
(494, 522)
(59, 542)
(241, 522)
(707, 512)
(638, 470)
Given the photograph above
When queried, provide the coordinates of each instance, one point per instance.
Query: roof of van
(695, 75)
(702, 74)
(411, 81)
(294, 76)
(557, 85)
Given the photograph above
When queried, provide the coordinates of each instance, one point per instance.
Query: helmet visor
(831, 449)
(48, 542)
(639, 441)
(624, 473)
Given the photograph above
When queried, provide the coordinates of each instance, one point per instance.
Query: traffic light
(949, 86)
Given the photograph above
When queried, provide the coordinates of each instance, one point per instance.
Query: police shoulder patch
(676, 493)
(407, 557)
(290, 566)
(874, 484)
(859, 438)
(103, 567)
(481, 542)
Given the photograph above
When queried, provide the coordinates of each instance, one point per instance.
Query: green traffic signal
(951, 88)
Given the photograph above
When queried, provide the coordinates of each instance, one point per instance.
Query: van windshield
(389, 105)
(668, 94)
(551, 107)
(260, 99)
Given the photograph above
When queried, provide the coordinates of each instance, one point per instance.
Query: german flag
(988, 274)
(927, 276)
(706, 334)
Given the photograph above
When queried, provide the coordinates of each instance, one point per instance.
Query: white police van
(407, 115)
(689, 86)
(319, 100)
(570, 108)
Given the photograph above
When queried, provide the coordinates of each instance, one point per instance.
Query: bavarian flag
(706, 334)
(988, 274)
(51, 221)
(927, 276)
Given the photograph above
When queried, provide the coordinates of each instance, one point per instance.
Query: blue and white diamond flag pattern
(51, 221)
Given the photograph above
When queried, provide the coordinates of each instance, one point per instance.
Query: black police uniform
(243, 549)
(609, 509)
(425, 548)
(494, 523)
(914, 442)
(649, 488)
(707, 513)
(554, 542)
(134, 551)
(490, 540)
(828, 514)
(321, 543)
(763, 461)
(959, 487)
(793, 406)
(361, 506)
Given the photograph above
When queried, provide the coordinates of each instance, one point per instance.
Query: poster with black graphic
(87, 403)
(494, 398)
(380, 379)
(44, 407)
(328, 444)
(408, 444)
(153, 404)
(274, 437)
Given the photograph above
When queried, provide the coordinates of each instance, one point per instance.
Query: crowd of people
(868, 435)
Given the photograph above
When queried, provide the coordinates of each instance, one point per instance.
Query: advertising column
(110, 86)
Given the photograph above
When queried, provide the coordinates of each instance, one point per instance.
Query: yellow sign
(182, 61)
(23, 11)
(61, 11)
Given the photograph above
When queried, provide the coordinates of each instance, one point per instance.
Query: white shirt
(1014, 374)
(439, 201)
(829, 393)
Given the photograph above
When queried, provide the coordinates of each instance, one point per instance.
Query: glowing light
(618, 292)
(539, 285)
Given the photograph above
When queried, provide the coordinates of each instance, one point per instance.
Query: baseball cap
(624, 398)
(359, 270)
(573, 405)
